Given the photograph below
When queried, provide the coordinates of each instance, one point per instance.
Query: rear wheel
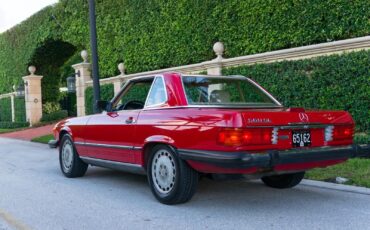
(283, 181)
(171, 180)
(70, 163)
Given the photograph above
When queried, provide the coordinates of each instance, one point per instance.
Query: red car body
(213, 139)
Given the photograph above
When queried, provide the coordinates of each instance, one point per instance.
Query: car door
(111, 135)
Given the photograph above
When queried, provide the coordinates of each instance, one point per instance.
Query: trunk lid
(292, 128)
(296, 116)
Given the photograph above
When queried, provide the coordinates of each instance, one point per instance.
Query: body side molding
(108, 146)
(126, 167)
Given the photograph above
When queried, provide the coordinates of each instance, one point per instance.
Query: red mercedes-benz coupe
(174, 128)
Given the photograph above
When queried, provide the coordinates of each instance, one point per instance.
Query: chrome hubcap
(163, 171)
(67, 156)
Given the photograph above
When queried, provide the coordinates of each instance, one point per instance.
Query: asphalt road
(35, 195)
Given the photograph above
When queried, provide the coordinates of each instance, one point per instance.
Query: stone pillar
(83, 74)
(214, 67)
(33, 96)
(118, 83)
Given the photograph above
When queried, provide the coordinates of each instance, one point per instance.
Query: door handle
(130, 120)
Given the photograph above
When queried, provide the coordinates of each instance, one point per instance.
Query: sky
(12, 12)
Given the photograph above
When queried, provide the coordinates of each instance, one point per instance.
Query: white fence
(12, 103)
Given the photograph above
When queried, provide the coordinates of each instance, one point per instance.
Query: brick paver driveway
(30, 133)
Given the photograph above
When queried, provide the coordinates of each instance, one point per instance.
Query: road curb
(338, 187)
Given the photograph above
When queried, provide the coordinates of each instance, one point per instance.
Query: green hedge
(49, 58)
(361, 138)
(339, 82)
(5, 109)
(149, 34)
(13, 125)
(20, 109)
(54, 116)
(106, 93)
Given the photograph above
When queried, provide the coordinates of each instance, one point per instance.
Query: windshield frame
(276, 103)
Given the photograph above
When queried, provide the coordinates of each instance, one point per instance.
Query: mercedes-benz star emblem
(303, 117)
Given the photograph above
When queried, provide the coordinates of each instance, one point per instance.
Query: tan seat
(219, 96)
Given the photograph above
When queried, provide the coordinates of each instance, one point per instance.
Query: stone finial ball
(84, 55)
(121, 68)
(32, 69)
(218, 47)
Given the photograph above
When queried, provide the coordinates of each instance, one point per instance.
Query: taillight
(342, 132)
(230, 137)
(329, 133)
(275, 134)
(238, 137)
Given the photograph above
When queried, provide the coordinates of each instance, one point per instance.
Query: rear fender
(160, 139)
(150, 142)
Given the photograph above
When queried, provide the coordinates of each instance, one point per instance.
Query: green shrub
(106, 93)
(54, 116)
(338, 82)
(50, 107)
(361, 138)
(150, 35)
(20, 109)
(13, 125)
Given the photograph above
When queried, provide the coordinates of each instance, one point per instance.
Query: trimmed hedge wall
(5, 109)
(13, 125)
(20, 109)
(157, 34)
(49, 59)
(106, 93)
(361, 138)
(339, 82)
(54, 116)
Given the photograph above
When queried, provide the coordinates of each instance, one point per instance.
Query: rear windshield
(226, 91)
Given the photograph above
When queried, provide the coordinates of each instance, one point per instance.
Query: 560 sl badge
(259, 120)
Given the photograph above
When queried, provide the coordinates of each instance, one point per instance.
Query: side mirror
(104, 106)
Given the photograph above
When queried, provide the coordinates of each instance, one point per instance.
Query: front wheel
(70, 163)
(283, 181)
(171, 180)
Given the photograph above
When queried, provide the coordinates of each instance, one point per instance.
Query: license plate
(301, 138)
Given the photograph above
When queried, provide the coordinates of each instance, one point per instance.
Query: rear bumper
(270, 159)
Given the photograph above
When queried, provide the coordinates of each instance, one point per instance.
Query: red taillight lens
(343, 132)
(238, 137)
(232, 137)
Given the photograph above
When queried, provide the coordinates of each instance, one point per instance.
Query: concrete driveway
(35, 195)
